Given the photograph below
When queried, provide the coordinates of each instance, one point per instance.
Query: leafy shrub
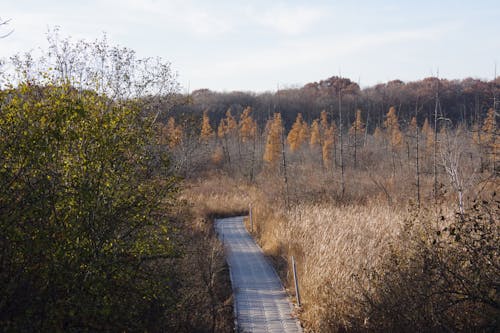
(441, 276)
(82, 237)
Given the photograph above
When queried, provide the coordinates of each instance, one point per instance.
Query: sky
(258, 45)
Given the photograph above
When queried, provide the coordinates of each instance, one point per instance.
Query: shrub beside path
(261, 303)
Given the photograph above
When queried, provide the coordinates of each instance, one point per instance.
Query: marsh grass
(356, 255)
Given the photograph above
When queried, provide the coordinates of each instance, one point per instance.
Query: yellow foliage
(315, 134)
(428, 133)
(273, 147)
(206, 130)
(298, 134)
(426, 128)
(222, 130)
(232, 125)
(491, 136)
(392, 125)
(358, 125)
(328, 143)
(487, 137)
(391, 120)
(396, 139)
(304, 133)
(248, 127)
(489, 127)
(324, 121)
(173, 133)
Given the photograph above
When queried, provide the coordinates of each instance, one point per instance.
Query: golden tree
(207, 131)
(356, 132)
(489, 126)
(324, 121)
(491, 136)
(358, 125)
(315, 134)
(328, 144)
(395, 136)
(231, 123)
(222, 130)
(304, 133)
(248, 126)
(273, 147)
(226, 131)
(248, 134)
(413, 135)
(173, 133)
(392, 126)
(428, 133)
(297, 134)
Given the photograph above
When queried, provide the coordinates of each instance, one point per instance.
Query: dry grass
(336, 247)
(343, 249)
(217, 196)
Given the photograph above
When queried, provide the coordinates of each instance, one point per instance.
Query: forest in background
(462, 101)
(388, 201)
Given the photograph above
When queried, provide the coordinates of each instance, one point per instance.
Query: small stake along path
(261, 304)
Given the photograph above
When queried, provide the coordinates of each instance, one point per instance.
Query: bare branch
(2, 23)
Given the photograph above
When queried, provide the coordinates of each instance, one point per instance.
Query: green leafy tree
(83, 190)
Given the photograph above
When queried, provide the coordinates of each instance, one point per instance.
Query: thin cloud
(289, 20)
(307, 51)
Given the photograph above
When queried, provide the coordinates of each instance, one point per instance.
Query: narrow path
(261, 304)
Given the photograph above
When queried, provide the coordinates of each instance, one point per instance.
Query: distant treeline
(461, 101)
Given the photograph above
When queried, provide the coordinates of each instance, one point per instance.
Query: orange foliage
(248, 127)
(315, 134)
(174, 133)
(273, 147)
(392, 125)
(222, 130)
(206, 130)
(328, 143)
(428, 133)
(298, 134)
(357, 126)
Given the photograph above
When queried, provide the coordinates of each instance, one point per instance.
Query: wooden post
(250, 216)
(296, 281)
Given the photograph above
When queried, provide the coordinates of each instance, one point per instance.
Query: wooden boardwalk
(261, 304)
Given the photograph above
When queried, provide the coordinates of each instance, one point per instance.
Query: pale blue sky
(256, 45)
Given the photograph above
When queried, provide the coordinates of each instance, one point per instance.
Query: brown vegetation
(382, 250)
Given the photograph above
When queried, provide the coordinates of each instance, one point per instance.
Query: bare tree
(452, 157)
(434, 172)
(342, 180)
(3, 23)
